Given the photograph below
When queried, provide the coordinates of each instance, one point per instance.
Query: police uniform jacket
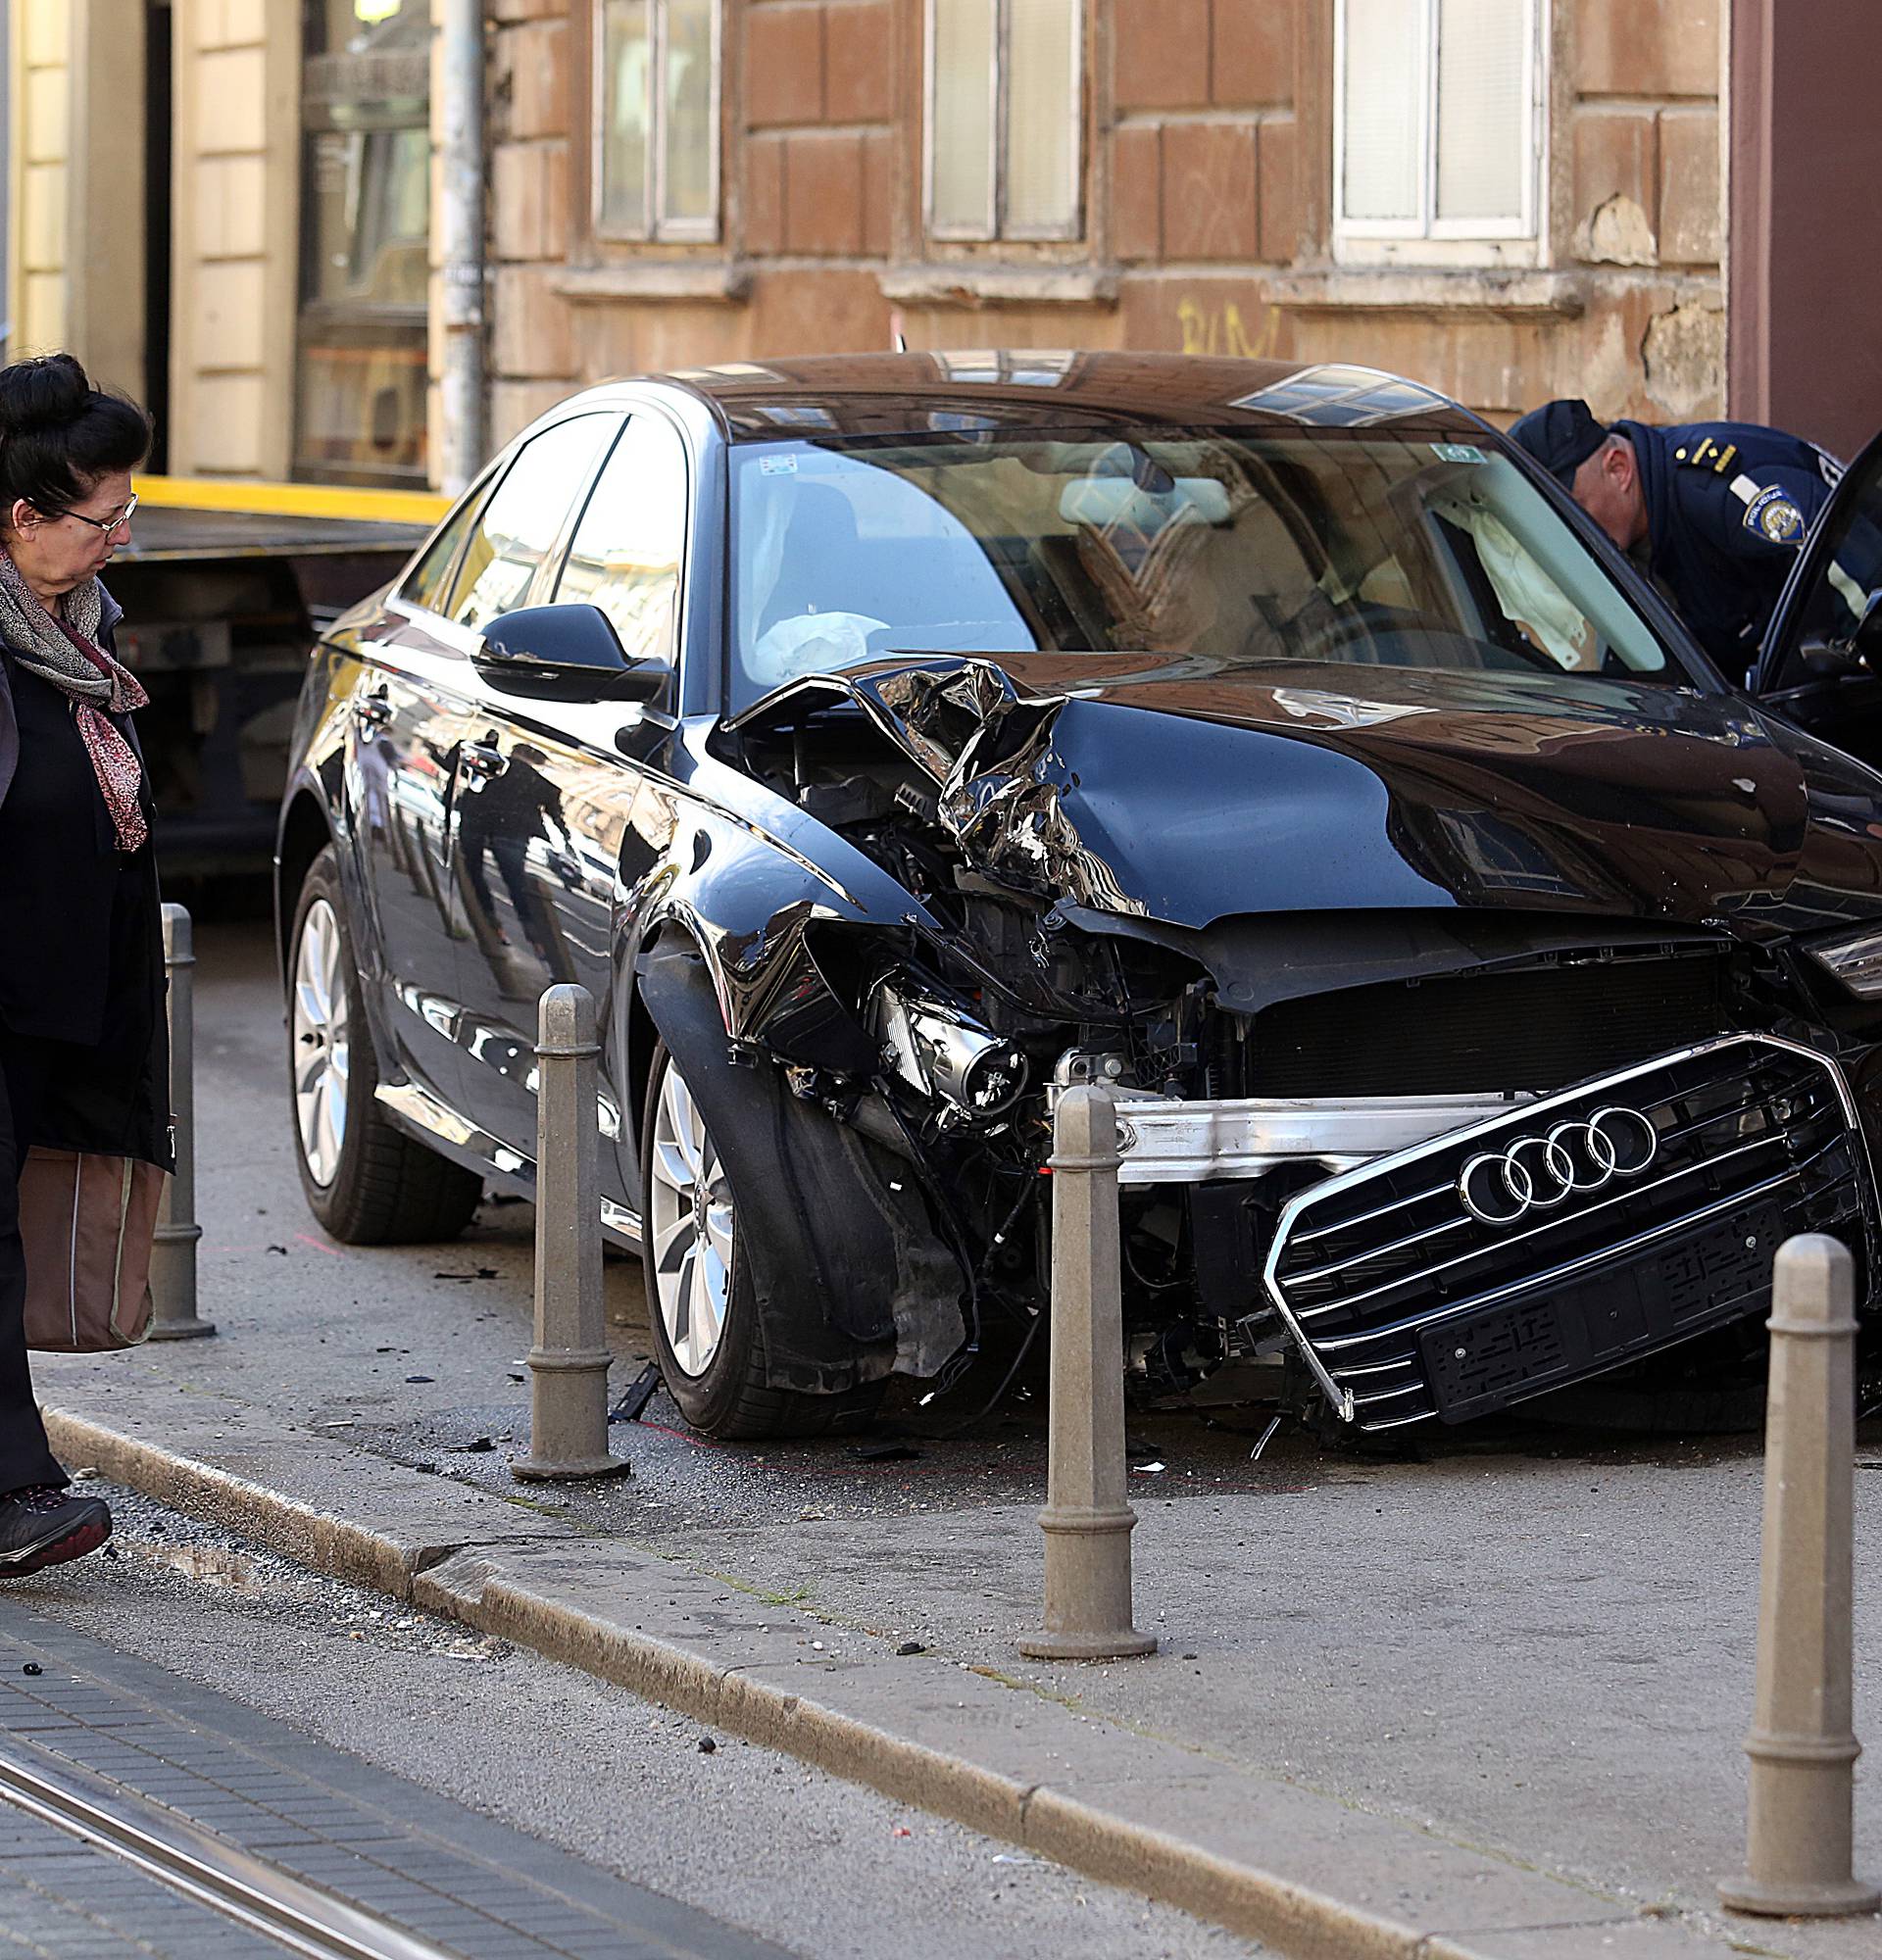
(1728, 504)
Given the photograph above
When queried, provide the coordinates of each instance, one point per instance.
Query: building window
(1004, 119)
(1437, 120)
(366, 176)
(656, 167)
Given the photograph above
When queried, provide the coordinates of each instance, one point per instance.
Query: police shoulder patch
(1773, 515)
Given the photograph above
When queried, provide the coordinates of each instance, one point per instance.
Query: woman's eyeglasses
(109, 525)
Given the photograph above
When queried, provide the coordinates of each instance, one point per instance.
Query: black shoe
(44, 1525)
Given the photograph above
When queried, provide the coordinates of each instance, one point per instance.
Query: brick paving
(441, 1873)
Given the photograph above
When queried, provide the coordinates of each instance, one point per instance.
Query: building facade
(1509, 199)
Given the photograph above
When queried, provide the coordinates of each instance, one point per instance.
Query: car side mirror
(565, 652)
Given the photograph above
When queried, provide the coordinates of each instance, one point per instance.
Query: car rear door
(1821, 664)
(575, 781)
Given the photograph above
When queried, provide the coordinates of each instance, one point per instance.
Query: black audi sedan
(889, 742)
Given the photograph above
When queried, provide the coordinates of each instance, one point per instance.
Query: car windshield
(1239, 548)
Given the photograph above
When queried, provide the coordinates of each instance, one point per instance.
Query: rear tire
(709, 1333)
(366, 1182)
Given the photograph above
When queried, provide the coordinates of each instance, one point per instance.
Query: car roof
(886, 394)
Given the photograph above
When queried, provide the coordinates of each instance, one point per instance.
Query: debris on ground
(640, 1391)
(885, 1453)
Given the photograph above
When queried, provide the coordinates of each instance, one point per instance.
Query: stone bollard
(173, 1253)
(569, 1362)
(1086, 1521)
(1799, 1842)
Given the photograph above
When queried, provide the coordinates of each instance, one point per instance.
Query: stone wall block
(859, 65)
(1209, 200)
(226, 430)
(229, 299)
(535, 57)
(1690, 218)
(514, 405)
(1251, 65)
(1137, 192)
(231, 102)
(824, 193)
(1648, 47)
(532, 335)
(765, 195)
(1616, 178)
(232, 207)
(878, 185)
(1279, 148)
(783, 64)
(529, 199)
(1162, 53)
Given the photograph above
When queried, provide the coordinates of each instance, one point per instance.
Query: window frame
(996, 228)
(1430, 238)
(656, 229)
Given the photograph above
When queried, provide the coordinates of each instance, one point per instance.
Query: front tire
(708, 1336)
(366, 1182)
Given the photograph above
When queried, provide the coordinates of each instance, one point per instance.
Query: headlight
(939, 1049)
(1857, 963)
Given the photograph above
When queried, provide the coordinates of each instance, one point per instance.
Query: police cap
(1562, 436)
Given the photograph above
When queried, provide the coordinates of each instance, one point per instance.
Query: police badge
(1775, 517)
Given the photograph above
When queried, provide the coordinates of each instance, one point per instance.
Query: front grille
(1416, 1307)
(1540, 1027)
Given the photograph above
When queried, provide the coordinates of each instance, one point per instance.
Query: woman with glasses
(82, 1064)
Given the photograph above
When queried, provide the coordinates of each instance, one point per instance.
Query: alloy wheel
(322, 1050)
(691, 1226)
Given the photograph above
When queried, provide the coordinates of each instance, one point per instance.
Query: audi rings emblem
(1536, 1173)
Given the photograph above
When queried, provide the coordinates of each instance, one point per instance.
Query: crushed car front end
(1482, 982)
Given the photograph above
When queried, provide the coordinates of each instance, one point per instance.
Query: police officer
(1713, 513)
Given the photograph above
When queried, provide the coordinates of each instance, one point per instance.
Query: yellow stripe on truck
(291, 499)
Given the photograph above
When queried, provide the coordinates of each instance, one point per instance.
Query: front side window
(1437, 120)
(1005, 112)
(524, 518)
(1225, 549)
(626, 549)
(657, 119)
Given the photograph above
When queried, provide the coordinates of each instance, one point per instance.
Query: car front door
(1821, 664)
(572, 784)
(419, 746)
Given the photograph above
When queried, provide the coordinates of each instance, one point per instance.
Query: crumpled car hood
(1146, 786)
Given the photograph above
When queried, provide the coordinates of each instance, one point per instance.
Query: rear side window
(430, 579)
(626, 549)
(525, 516)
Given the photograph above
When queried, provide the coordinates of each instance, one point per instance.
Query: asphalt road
(754, 1839)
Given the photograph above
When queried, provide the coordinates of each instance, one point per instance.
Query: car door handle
(481, 759)
(372, 710)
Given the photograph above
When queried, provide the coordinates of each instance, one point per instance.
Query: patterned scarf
(64, 652)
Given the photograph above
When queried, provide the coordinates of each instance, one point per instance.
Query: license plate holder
(1716, 1273)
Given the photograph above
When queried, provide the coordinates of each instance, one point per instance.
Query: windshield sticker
(1456, 451)
(777, 465)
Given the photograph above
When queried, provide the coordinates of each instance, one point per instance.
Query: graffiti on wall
(1221, 329)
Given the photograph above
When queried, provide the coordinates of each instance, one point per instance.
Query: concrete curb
(929, 1732)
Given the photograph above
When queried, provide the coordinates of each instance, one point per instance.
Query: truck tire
(366, 1182)
(709, 1335)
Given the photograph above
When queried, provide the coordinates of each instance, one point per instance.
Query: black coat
(107, 1104)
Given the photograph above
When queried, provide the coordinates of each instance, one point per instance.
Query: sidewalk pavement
(1486, 1702)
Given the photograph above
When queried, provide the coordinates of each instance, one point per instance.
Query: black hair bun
(47, 392)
